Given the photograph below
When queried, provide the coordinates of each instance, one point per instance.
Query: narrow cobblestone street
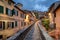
(29, 19)
(34, 33)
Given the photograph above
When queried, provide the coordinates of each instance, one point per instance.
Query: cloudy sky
(40, 5)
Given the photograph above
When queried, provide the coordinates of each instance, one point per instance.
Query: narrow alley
(34, 33)
(29, 19)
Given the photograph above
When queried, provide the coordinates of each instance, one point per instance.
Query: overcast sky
(40, 5)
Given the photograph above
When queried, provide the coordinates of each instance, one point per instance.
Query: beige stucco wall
(57, 19)
(9, 32)
(51, 17)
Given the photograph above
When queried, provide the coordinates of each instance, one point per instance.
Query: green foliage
(45, 22)
(36, 14)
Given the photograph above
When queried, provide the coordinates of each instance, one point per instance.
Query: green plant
(45, 22)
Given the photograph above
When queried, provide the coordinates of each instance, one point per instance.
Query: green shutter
(1, 9)
(7, 11)
(13, 12)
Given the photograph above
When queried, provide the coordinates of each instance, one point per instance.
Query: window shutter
(3, 25)
(13, 13)
(12, 24)
(15, 23)
(0, 24)
(7, 11)
(1, 9)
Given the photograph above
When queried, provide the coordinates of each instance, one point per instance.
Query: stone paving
(34, 33)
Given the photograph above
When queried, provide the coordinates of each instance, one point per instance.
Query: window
(22, 23)
(9, 2)
(25, 16)
(13, 12)
(15, 23)
(22, 15)
(12, 24)
(1, 9)
(8, 12)
(8, 24)
(16, 13)
(3, 25)
(0, 25)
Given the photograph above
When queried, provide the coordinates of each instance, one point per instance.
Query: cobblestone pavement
(34, 33)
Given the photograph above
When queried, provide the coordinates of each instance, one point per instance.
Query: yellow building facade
(12, 18)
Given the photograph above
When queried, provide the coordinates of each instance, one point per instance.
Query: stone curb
(47, 37)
